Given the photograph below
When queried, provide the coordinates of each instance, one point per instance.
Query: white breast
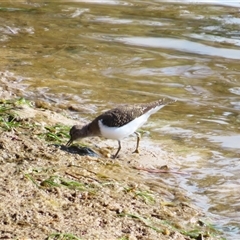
(119, 133)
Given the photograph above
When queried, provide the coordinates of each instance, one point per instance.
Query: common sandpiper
(118, 123)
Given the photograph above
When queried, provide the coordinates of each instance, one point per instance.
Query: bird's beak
(69, 142)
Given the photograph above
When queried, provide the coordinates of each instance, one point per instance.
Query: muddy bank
(50, 193)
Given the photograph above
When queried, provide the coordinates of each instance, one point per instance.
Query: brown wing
(118, 117)
(124, 114)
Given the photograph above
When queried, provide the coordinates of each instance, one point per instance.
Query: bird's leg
(138, 140)
(119, 148)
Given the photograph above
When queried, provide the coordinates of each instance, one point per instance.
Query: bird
(118, 123)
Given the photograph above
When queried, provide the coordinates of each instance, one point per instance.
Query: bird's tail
(153, 107)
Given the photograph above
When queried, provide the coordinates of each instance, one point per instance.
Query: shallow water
(96, 54)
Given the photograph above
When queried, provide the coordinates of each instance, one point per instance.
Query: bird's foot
(114, 156)
(136, 151)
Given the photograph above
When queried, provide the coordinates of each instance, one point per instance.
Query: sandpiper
(118, 123)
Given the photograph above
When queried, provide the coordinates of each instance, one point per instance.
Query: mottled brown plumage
(113, 120)
(124, 114)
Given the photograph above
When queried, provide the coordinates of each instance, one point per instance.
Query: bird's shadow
(82, 151)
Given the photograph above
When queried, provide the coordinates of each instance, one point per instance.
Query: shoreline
(48, 193)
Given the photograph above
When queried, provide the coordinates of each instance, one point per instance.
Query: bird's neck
(85, 131)
(92, 129)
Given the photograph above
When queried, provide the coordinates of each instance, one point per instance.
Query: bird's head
(77, 132)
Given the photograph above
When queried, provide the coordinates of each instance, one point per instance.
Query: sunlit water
(93, 55)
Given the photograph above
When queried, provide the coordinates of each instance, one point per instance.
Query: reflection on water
(227, 141)
(182, 45)
(94, 54)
